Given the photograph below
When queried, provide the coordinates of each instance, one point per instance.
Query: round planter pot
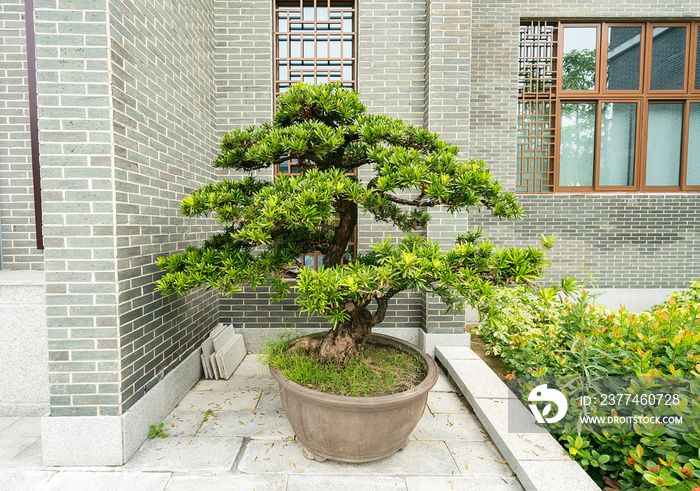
(355, 429)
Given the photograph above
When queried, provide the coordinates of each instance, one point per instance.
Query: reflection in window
(668, 58)
(663, 161)
(577, 144)
(624, 54)
(579, 62)
(618, 135)
(692, 177)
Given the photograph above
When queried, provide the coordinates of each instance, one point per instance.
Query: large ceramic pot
(355, 429)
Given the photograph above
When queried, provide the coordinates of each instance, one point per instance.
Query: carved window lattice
(315, 42)
(537, 71)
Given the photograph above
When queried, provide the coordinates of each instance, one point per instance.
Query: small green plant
(157, 431)
(543, 334)
(205, 417)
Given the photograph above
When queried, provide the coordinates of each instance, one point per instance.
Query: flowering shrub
(545, 333)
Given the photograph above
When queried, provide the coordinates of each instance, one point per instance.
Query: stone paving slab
(459, 426)
(253, 424)
(23, 427)
(479, 458)
(538, 475)
(252, 367)
(418, 458)
(179, 454)
(6, 421)
(255, 450)
(228, 482)
(29, 458)
(107, 481)
(14, 480)
(183, 423)
(270, 401)
(464, 483)
(283, 457)
(442, 384)
(345, 483)
(221, 400)
(531, 451)
(13, 445)
(256, 381)
(447, 402)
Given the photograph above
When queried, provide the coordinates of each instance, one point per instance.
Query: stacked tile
(222, 352)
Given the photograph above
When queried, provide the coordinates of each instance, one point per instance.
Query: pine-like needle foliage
(267, 226)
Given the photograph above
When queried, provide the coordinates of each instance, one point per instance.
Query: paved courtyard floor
(233, 435)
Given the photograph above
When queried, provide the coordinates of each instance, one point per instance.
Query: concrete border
(538, 460)
(112, 440)
(24, 360)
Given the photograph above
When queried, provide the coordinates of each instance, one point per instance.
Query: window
(315, 42)
(608, 106)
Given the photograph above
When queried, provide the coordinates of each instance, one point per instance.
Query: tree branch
(382, 305)
(418, 201)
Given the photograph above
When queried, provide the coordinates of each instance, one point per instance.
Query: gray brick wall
(78, 204)
(243, 63)
(126, 98)
(163, 96)
(17, 227)
(391, 45)
(646, 240)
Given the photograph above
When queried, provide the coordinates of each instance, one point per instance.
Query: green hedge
(548, 333)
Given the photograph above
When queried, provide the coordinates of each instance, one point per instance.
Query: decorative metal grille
(537, 77)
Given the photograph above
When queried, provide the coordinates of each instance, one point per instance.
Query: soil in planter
(379, 370)
(478, 346)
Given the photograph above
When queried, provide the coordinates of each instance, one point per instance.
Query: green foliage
(579, 69)
(157, 431)
(379, 371)
(544, 333)
(268, 226)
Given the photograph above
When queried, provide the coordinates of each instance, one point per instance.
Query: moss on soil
(379, 370)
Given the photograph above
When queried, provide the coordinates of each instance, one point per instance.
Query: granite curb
(537, 459)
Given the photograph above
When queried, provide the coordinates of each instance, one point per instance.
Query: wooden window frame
(281, 6)
(643, 97)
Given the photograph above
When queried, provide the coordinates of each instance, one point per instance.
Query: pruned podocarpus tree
(269, 225)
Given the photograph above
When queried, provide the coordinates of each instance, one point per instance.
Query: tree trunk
(344, 342)
(347, 211)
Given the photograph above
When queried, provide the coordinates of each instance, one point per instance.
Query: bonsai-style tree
(269, 225)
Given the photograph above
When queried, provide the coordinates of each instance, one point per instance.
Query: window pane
(664, 145)
(624, 51)
(692, 177)
(618, 135)
(697, 63)
(668, 58)
(579, 58)
(577, 144)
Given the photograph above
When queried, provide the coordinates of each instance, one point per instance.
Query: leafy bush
(545, 333)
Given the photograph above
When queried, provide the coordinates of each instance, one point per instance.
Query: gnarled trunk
(348, 338)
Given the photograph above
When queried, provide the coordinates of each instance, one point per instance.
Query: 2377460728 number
(639, 399)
